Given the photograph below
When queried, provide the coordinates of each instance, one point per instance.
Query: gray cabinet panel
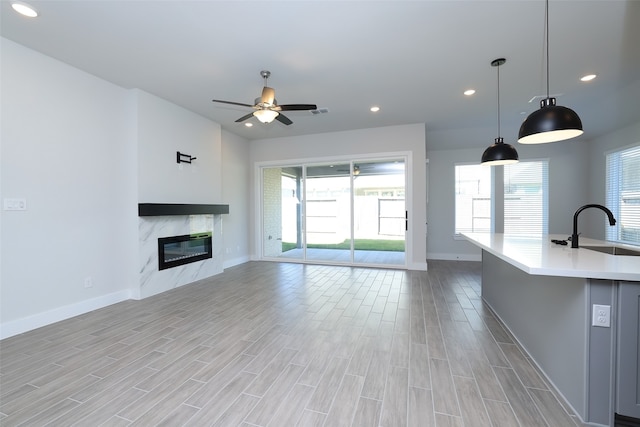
(628, 381)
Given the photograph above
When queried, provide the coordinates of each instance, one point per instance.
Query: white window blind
(526, 206)
(623, 195)
(473, 199)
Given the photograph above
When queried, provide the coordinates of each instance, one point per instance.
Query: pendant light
(551, 122)
(499, 153)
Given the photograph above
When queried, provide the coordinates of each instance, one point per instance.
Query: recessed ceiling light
(248, 124)
(469, 92)
(588, 77)
(24, 9)
(374, 109)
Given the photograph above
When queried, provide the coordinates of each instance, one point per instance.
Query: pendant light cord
(546, 29)
(498, 85)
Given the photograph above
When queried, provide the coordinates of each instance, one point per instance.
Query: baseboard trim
(228, 263)
(418, 266)
(19, 326)
(454, 257)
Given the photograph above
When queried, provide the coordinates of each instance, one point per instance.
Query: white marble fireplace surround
(150, 228)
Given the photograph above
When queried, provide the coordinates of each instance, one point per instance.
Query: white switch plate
(15, 204)
(601, 316)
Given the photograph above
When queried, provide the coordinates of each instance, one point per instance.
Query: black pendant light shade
(550, 123)
(499, 153)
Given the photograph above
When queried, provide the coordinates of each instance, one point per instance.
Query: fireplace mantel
(161, 209)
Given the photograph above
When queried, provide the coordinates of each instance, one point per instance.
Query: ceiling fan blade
(232, 103)
(268, 96)
(297, 107)
(283, 119)
(243, 118)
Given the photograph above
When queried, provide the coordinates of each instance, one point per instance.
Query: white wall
(568, 185)
(67, 148)
(83, 153)
(236, 192)
(163, 129)
(392, 139)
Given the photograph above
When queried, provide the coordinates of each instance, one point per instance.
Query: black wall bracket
(184, 158)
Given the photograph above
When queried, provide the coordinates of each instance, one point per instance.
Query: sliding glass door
(379, 225)
(328, 212)
(349, 212)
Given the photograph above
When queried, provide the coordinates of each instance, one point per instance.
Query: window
(473, 199)
(623, 195)
(526, 206)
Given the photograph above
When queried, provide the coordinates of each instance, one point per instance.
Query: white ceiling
(412, 58)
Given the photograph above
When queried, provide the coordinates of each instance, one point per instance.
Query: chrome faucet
(574, 236)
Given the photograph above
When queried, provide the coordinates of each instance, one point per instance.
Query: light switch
(15, 204)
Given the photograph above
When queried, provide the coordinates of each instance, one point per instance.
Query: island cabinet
(552, 299)
(628, 375)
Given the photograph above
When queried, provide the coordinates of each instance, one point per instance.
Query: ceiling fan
(266, 108)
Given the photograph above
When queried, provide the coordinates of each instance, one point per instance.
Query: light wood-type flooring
(282, 344)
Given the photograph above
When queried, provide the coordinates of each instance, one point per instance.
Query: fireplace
(179, 250)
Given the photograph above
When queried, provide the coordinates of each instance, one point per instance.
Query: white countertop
(539, 256)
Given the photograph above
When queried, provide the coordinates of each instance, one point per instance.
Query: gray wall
(592, 221)
(576, 177)
(548, 316)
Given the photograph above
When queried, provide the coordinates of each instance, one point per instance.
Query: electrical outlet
(601, 316)
(88, 282)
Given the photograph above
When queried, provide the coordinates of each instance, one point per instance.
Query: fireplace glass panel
(179, 250)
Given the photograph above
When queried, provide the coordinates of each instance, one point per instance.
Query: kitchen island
(545, 295)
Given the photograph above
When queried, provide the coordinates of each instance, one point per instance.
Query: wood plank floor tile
(527, 374)
(471, 403)
(444, 420)
(237, 411)
(345, 402)
(178, 417)
(524, 407)
(445, 399)
(283, 344)
(396, 400)
(367, 412)
(328, 386)
(213, 401)
(420, 408)
(376, 377)
(270, 373)
(553, 412)
(419, 375)
(500, 413)
(311, 419)
(266, 407)
(290, 413)
(435, 343)
(165, 406)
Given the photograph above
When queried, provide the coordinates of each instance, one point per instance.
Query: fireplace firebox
(179, 250)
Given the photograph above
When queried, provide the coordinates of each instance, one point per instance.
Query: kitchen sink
(613, 250)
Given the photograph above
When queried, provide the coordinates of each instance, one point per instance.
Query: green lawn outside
(360, 244)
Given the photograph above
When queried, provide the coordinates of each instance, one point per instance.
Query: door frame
(258, 208)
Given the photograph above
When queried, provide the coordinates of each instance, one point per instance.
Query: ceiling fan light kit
(551, 122)
(266, 107)
(499, 153)
(266, 116)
